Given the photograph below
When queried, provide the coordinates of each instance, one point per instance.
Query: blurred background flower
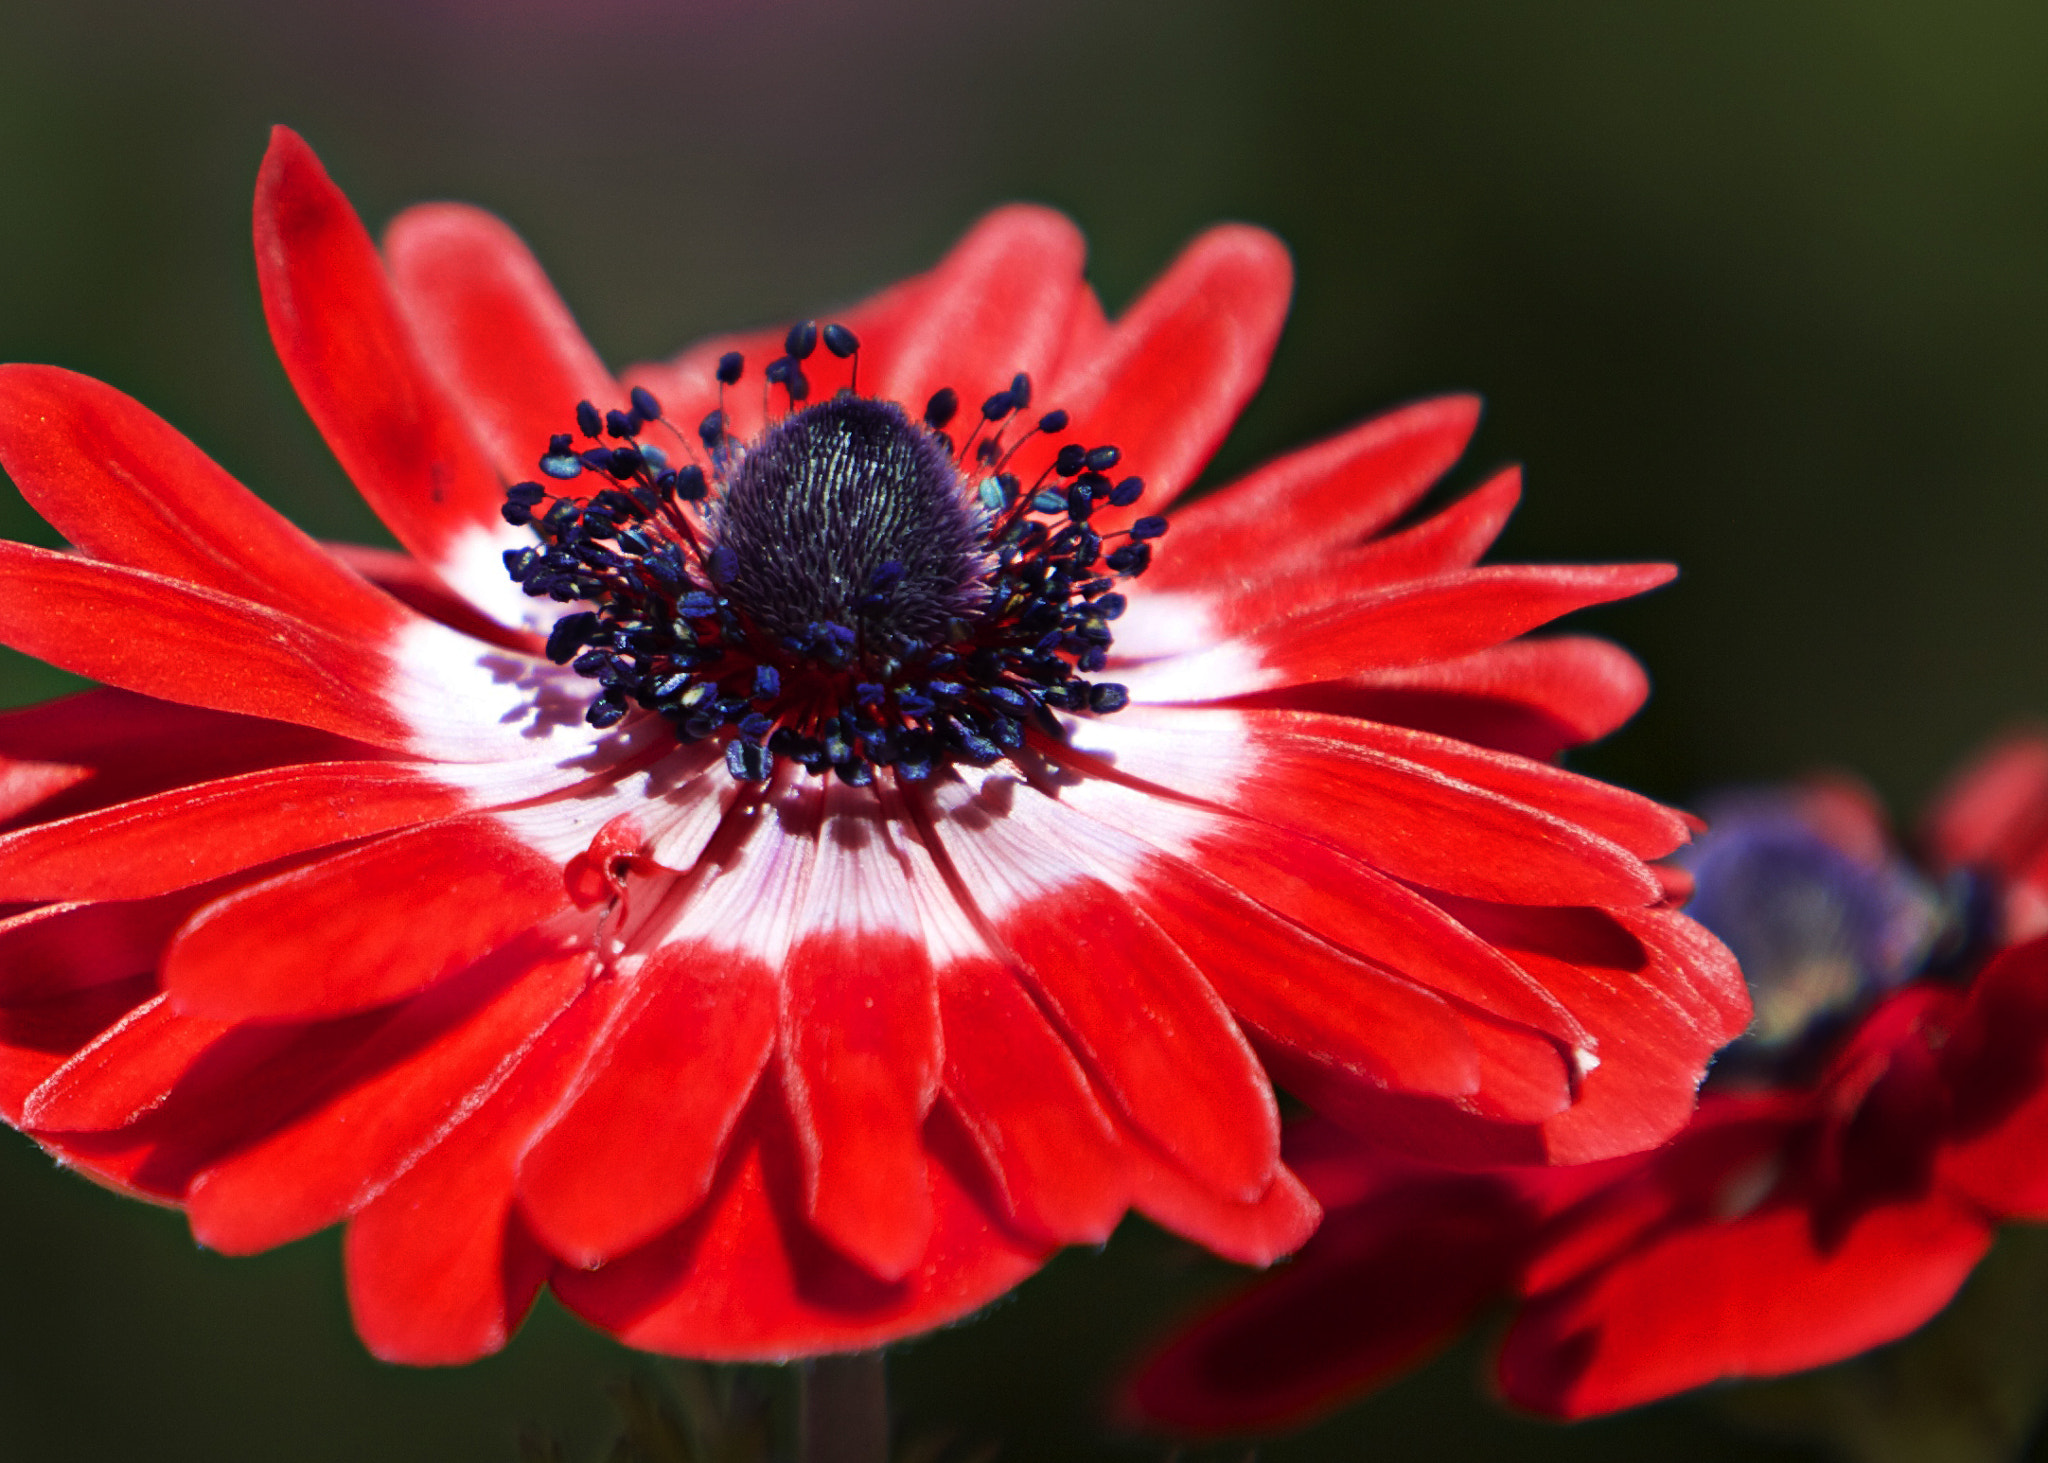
(1758, 289)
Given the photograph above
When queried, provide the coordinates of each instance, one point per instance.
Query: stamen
(838, 592)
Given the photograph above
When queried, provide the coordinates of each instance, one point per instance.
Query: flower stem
(844, 1410)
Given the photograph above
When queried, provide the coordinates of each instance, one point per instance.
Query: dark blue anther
(621, 424)
(755, 727)
(625, 461)
(645, 404)
(1107, 696)
(1049, 500)
(1080, 502)
(798, 385)
(1102, 459)
(1127, 492)
(1131, 559)
(571, 634)
(561, 443)
(729, 367)
(944, 403)
(1053, 421)
(598, 459)
(767, 683)
(802, 339)
(779, 369)
(712, 429)
(690, 483)
(587, 419)
(1072, 458)
(1111, 606)
(747, 761)
(721, 564)
(1094, 658)
(561, 465)
(669, 684)
(696, 605)
(998, 406)
(1151, 527)
(608, 709)
(516, 514)
(527, 493)
(841, 341)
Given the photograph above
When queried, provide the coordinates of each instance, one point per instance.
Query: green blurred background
(1758, 287)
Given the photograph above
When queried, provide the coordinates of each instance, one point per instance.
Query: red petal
(439, 1058)
(339, 331)
(636, 1148)
(999, 303)
(1180, 363)
(1452, 539)
(860, 1042)
(1534, 697)
(363, 927)
(743, 1281)
(60, 948)
(1142, 1017)
(124, 486)
(1381, 1287)
(1750, 1297)
(1996, 1068)
(1308, 995)
(1256, 1232)
(1646, 829)
(1993, 813)
(1052, 1153)
(1659, 997)
(439, 1267)
(1401, 817)
(189, 836)
(37, 1037)
(164, 638)
(484, 313)
(128, 1068)
(1298, 508)
(111, 746)
(1429, 620)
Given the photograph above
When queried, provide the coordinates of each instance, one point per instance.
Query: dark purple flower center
(847, 591)
(1820, 933)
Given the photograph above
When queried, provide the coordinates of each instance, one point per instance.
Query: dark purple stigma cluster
(848, 591)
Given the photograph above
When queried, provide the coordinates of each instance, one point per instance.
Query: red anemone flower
(776, 878)
(1845, 1172)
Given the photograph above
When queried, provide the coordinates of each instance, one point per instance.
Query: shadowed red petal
(1297, 508)
(342, 338)
(436, 1060)
(485, 315)
(37, 1037)
(363, 927)
(1381, 1287)
(742, 1281)
(1996, 1069)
